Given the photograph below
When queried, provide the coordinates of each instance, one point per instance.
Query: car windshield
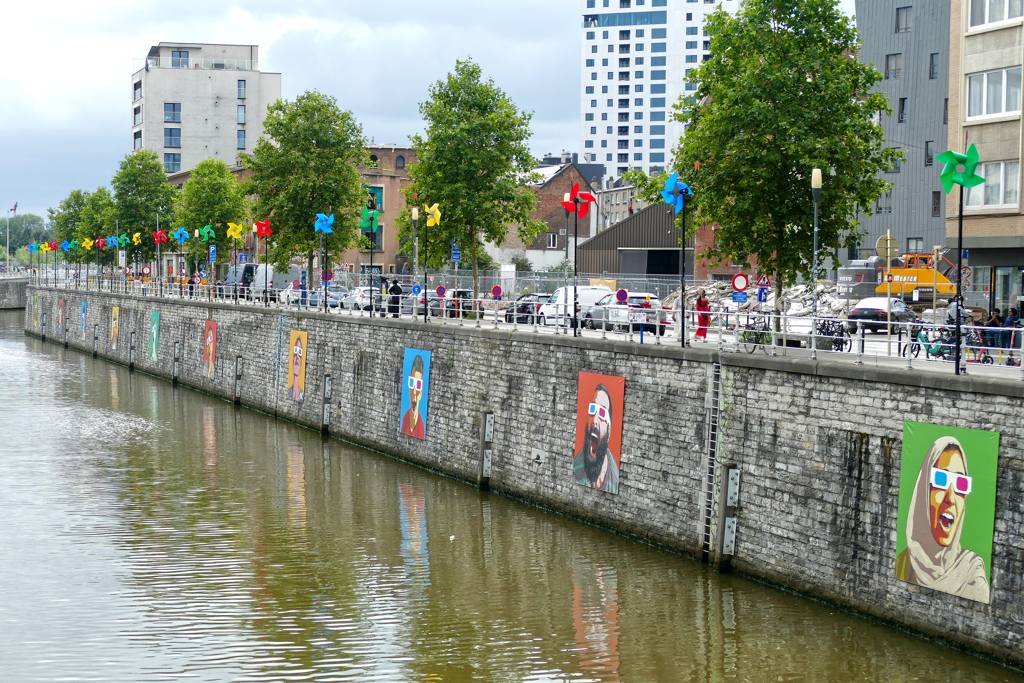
(605, 300)
(642, 300)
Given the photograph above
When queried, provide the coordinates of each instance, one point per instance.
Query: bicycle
(835, 332)
(756, 334)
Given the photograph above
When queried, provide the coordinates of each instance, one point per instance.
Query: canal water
(152, 533)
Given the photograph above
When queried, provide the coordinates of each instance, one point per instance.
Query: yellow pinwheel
(234, 231)
(87, 244)
(44, 247)
(433, 215)
(137, 238)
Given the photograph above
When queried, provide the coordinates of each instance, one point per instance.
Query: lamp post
(195, 276)
(415, 244)
(816, 193)
(565, 279)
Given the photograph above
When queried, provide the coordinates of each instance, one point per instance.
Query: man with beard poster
(598, 431)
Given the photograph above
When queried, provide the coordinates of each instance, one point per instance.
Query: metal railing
(197, 63)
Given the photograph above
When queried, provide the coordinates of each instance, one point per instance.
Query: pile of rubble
(797, 300)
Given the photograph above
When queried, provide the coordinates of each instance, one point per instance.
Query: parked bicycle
(836, 335)
(756, 334)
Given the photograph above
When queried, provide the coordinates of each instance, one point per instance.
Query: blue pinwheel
(65, 245)
(675, 193)
(181, 234)
(323, 223)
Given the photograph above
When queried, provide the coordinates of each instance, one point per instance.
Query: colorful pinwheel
(65, 245)
(181, 234)
(263, 228)
(369, 223)
(87, 244)
(951, 176)
(100, 243)
(675, 193)
(159, 236)
(112, 242)
(122, 240)
(137, 239)
(54, 246)
(207, 233)
(433, 215)
(75, 244)
(579, 201)
(323, 224)
(234, 231)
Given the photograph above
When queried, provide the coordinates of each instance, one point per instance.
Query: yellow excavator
(910, 272)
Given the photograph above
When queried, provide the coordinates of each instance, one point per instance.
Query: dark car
(524, 309)
(872, 314)
(457, 302)
(431, 296)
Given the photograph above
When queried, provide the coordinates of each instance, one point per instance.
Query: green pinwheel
(951, 176)
(369, 223)
(207, 233)
(123, 240)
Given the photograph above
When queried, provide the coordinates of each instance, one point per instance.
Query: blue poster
(415, 393)
(82, 319)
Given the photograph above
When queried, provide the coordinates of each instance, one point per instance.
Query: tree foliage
(212, 196)
(66, 217)
(25, 228)
(140, 193)
(306, 164)
(782, 94)
(474, 162)
(98, 219)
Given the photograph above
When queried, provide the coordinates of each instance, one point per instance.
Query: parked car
(431, 296)
(457, 302)
(556, 308)
(642, 310)
(524, 309)
(335, 294)
(276, 280)
(291, 294)
(361, 297)
(871, 313)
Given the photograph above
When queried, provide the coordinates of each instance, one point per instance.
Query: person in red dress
(703, 317)
(412, 422)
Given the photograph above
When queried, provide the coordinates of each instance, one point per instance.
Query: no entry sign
(740, 282)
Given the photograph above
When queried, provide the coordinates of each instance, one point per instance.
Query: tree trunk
(476, 271)
(309, 271)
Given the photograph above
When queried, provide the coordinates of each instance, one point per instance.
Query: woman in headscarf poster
(947, 509)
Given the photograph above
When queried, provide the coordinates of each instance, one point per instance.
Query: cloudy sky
(65, 113)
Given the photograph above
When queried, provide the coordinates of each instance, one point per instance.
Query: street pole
(8, 241)
(159, 266)
(195, 275)
(415, 245)
(959, 277)
(682, 280)
(816, 193)
(575, 277)
(565, 273)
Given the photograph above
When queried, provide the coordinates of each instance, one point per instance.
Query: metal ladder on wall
(712, 459)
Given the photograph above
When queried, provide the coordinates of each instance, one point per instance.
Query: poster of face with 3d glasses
(415, 392)
(598, 431)
(947, 509)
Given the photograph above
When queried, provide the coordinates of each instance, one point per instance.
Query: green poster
(947, 509)
(154, 335)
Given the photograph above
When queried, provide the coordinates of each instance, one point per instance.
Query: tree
(26, 228)
(67, 216)
(212, 196)
(782, 94)
(141, 192)
(306, 165)
(522, 263)
(473, 162)
(98, 219)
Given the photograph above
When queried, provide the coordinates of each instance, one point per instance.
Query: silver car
(640, 310)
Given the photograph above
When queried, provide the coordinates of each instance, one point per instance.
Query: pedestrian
(396, 298)
(1008, 326)
(703, 316)
(383, 296)
(992, 336)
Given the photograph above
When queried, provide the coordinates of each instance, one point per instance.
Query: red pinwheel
(159, 236)
(101, 243)
(54, 246)
(579, 201)
(263, 228)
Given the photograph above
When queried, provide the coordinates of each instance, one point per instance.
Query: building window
(137, 140)
(590, 90)
(590, 62)
(936, 204)
(593, 130)
(604, 116)
(604, 89)
(137, 116)
(638, 143)
(623, 49)
(179, 59)
(903, 19)
(172, 163)
(638, 156)
(658, 102)
(623, 104)
(640, 31)
(929, 152)
(884, 203)
(639, 87)
(607, 157)
(658, 75)
(639, 130)
(241, 139)
(691, 59)
(593, 75)
(623, 35)
(552, 240)
(657, 116)
(691, 45)
(623, 116)
(658, 47)
(589, 144)
(658, 143)
(624, 4)
(915, 245)
(624, 63)
(657, 156)
(400, 161)
(593, 103)
(623, 158)
(994, 11)
(590, 35)
(1000, 188)
(638, 115)
(172, 112)
(657, 130)
(639, 102)
(604, 143)
(623, 144)
(593, 49)
(623, 89)
(589, 117)
(933, 66)
(896, 164)
(659, 34)
(945, 110)
(902, 111)
(994, 93)
(707, 45)
(691, 30)
(137, 91)
(241, 90)
(893, 65)
(172, 137)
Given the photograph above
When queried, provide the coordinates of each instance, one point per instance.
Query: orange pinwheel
(579, 201)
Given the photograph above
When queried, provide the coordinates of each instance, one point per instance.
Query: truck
(910, 272)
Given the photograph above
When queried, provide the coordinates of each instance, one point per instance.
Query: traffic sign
(146, 270)
(496, 291)
(213, 253)
(456, 252)
(739, 297)
(966, 272)
(621, 295)
(967, 283)
(762, 294)
(202, 273)
(416, 289)
(440, 290)
(431, 278)
(127, 270)
(763, 281)
(887, 247)
(243, 258)
(296, 284)
(740, 282)
(122, 278)
(181, 273)
(326, 275)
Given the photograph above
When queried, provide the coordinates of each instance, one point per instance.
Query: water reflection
(156, 533)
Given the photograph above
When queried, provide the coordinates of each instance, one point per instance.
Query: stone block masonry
(818, 444)
(12, 293)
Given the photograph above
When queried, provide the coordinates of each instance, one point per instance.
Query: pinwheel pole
(674, 195)
(959, 170)
(322, 225)
(159, 266)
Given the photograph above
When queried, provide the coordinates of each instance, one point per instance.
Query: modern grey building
(908, 41)
(196, 101)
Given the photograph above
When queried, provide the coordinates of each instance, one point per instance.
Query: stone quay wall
(817, 443)
(12, 293)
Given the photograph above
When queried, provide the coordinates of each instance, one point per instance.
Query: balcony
(196, 63)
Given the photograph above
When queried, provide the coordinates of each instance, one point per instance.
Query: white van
(560, 306)
(272, 279)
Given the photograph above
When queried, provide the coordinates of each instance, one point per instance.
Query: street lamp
(415, 244)
(816, 193)
(565, 274)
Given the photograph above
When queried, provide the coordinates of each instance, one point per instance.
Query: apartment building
(636, 55)
(986, 57)
(908, 41)
(196, 101)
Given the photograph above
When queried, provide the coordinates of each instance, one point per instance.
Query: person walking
(1008, 326)
(703, 316)
(396, 298)
(991, 337)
